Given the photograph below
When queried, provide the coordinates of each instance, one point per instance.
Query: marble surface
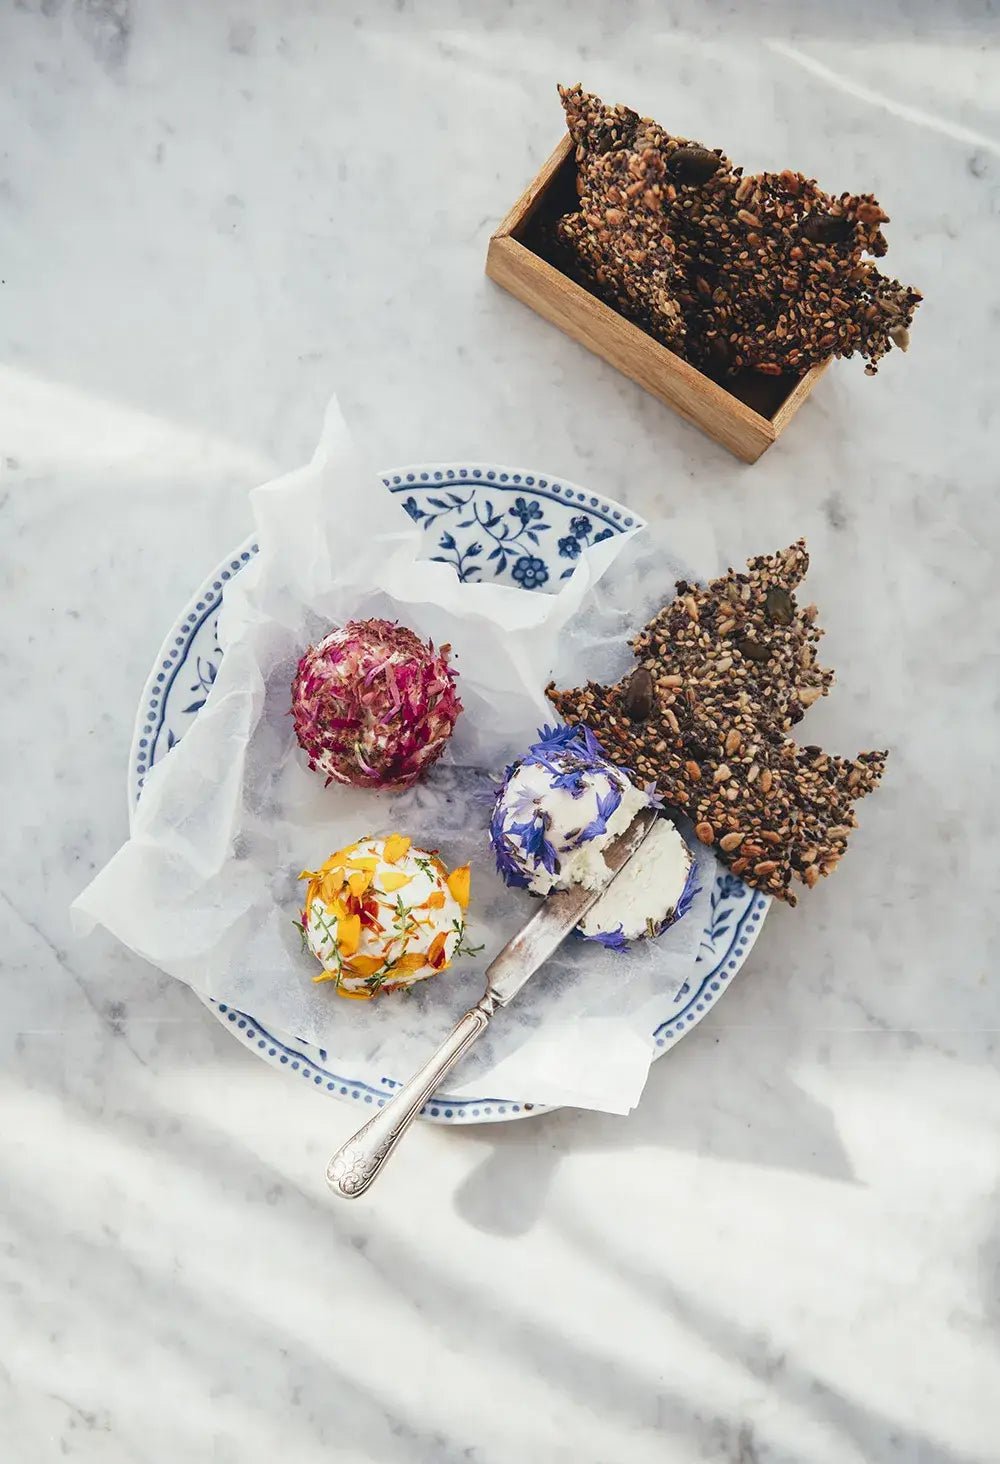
(210, 217)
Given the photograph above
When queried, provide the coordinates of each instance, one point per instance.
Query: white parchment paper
(206, 885)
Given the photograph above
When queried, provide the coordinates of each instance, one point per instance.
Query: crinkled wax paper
(206, 885)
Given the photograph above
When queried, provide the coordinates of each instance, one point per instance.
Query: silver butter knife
(358, 1163)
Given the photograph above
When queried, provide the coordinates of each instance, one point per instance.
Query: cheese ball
(559, 807)
(374, 705)
(381, 914)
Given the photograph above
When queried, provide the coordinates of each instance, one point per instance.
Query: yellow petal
(361, 995)
(348, 934)
(326, 976)
(459, 882)
(364, 965)
(367, 862)
(358, 883)
(330, 886)
(394, 881)
(396, 845)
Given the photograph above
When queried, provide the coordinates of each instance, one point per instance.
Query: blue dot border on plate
(530, 528)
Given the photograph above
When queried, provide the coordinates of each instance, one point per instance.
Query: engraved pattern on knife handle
(357, 1163)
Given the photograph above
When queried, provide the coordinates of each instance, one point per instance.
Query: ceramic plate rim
(281, 1050)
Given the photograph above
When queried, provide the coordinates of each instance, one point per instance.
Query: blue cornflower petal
(549, 857)
(688, 893)
(612, 940)
(685, 899)
(553, 738)
(507, 866)
(598, 825)
(652, 796)
(571, 781)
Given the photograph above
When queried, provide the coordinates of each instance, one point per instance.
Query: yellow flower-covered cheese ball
(380, 915)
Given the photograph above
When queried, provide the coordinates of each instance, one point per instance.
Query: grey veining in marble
(212, 215)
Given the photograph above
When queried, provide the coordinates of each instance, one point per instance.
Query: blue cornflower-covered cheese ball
(559, 807)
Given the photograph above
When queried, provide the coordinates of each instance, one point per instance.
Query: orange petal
(434, 902)
(361, 995)
(348, 934)
(436, 956)
(412, 961)
(394, 881)
(459, 882)
(396, 845)
(364, 965)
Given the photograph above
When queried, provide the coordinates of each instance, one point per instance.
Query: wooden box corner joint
(515, 261)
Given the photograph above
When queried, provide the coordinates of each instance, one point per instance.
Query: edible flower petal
(412, 961)
(330, 886)
(394, 880)
(396, 845)
(612, 940)
(436, 956)
(606, 807)
(364, 965)
(349, 935)
(459, 883)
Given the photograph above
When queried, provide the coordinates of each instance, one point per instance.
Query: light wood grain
(625, 346)
(602, 330)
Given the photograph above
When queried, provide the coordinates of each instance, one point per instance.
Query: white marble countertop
(210, 217)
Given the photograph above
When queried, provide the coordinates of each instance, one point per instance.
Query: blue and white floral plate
(491, 523)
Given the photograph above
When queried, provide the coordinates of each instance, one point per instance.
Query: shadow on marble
(507, 1191)
(72, 1265)
(278, 1368)
(86, 1273)
(275, 1372)
(868, 1430)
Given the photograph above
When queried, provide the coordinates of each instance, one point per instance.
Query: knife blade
(562, 912)
(357, 1163)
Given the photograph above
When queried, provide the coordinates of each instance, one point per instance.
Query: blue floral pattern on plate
(482, 537)
(491, 524)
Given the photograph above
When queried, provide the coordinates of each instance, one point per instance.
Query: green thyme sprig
(463, 947)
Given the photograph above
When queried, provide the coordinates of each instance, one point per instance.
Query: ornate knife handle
(358, 1162)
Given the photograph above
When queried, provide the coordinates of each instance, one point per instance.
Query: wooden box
(746, 415)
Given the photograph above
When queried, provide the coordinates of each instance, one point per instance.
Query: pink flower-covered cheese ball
(373, 704)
